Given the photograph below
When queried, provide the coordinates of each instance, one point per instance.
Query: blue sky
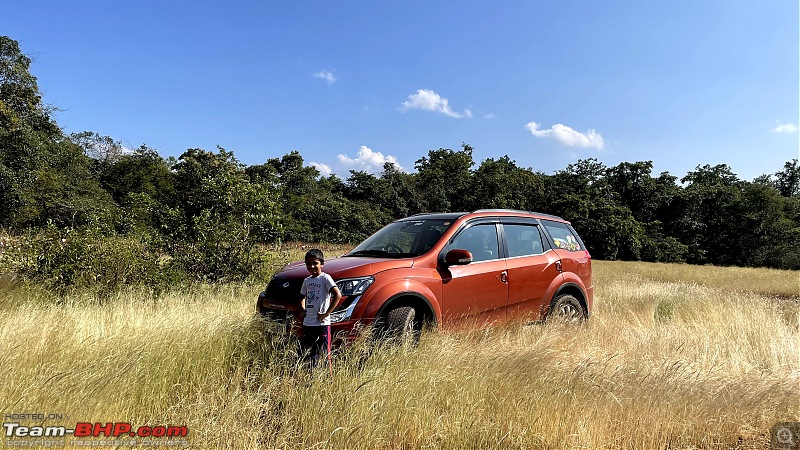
(354, 83)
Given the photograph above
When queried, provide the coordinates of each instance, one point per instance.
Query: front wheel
(402, 324)
(566, 308)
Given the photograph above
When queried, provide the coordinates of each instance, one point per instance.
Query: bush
(67, 259)
(221, 251)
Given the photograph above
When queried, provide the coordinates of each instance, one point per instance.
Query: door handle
(504, 276)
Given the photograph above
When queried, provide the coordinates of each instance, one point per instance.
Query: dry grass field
(674, 357)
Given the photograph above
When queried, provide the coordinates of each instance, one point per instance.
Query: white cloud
(568, 136)
(367, 160)
(784, 128)
(324, 169)
(428, 100)
(326, 75)
(490, 116)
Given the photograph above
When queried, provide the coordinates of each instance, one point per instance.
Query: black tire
(402, 325)
(567, 309)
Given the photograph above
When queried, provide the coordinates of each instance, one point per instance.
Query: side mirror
(457, 257)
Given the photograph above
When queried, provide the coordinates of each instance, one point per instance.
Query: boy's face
(314, 266)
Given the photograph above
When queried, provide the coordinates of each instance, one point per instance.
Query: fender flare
(570, 288)
(380, 300)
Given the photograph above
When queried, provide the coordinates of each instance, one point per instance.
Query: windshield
(403, 239)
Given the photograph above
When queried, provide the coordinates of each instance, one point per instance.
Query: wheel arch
(409, 298)
(576, 291)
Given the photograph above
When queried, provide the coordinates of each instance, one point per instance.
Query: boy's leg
(316, 343)
(307, 342)
(328, 342)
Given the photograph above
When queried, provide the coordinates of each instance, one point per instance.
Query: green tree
(788, 180)
(65, 191)
(219, 216)
(582, 195)
(43, 175)
(295, 179)
(633, 187)
(444, 178)
(652, 203)
(768, 236)
(103, 149)
(143, 171)
(710, 211)
(142, 184)
(584, 178)
(265, 174)
(398, 192)
(501, 184)
(26, 129)
(362, 186)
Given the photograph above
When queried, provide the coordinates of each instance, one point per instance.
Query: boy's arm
(336, 297)
(303, 297)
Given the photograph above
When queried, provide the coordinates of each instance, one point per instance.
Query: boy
(319, 296)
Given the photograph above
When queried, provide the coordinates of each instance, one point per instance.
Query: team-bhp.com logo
(17, 434)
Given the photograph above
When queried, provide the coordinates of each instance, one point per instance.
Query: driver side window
(480, 240)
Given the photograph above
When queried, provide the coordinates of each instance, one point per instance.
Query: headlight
(345, 313)
(350, 287)
(354, 286)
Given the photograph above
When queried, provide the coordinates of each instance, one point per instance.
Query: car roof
(482, 212)
(435, 215)
(516, 212)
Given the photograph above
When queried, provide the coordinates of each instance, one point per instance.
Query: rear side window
(563, 236)
(523, 240)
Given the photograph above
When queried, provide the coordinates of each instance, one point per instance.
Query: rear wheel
(402, 324)
(566, 308)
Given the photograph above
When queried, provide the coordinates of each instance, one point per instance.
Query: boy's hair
(316, 254)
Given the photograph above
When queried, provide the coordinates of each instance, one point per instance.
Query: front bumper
(288, 319)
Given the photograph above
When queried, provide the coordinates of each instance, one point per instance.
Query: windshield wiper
(373, 252)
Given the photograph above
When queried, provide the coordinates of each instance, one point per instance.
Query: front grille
(277, 315)
(284, 291)
(279, 321)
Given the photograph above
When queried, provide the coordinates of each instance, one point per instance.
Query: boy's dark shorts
(315, 341)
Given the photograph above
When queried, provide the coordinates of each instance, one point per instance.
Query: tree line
(68, 200)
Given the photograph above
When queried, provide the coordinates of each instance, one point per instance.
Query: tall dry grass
(666, 361)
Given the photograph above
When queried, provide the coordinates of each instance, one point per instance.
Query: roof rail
(548, 215)
(436, 212)
(501, 210)
(518, 211)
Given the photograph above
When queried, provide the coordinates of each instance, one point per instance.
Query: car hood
(346, 267)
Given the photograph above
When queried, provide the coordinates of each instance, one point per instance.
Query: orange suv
(446, 269)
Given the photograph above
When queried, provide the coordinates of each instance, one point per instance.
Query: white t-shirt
(318, 298)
